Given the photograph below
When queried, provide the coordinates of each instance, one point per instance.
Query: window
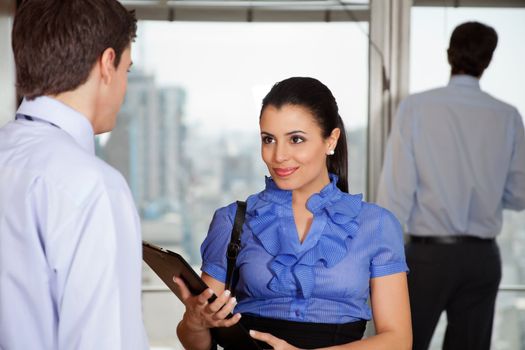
(187, 139)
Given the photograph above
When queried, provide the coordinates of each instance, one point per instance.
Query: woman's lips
(284, 172)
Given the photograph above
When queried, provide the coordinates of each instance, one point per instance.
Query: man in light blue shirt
(70, 244)
(455, 159)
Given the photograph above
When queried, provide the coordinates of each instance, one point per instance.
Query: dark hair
(310, 93)
(471, 47)
(56, 43)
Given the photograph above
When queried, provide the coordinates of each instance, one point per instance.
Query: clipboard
(167, 264)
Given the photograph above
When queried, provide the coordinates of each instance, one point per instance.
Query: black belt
(448, 239)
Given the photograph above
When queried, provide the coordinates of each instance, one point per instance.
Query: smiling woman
(304, 235)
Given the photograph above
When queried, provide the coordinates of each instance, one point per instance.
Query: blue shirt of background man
(325, 278)
(454, 160)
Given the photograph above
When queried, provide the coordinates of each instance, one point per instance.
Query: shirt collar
(464, 80)
(274, 194)
(66, 118)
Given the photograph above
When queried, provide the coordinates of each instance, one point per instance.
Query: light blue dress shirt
(455, 159)
(70, 244)
(324, 279)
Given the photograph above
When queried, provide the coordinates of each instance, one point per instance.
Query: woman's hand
(274, 342)
(200, 314)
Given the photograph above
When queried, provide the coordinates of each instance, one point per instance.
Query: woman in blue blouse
(311, 254)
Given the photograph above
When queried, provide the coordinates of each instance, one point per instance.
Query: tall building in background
(127, 146)
(172, 133)
(174, 170)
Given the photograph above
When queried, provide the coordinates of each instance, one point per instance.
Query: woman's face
(294, 149)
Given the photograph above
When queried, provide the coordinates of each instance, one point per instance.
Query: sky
(227, 68)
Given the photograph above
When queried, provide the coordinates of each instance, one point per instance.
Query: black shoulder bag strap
(235, 244)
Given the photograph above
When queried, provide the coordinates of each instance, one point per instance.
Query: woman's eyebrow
(288, 133)
(296, 132)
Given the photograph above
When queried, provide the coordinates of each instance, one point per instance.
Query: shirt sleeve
(214, 246)
(514, 193)
(71, 266)
(389, 257)
(398, 180)
(89, 299)
(95, 255)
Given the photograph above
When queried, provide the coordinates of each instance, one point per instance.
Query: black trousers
(461, 279)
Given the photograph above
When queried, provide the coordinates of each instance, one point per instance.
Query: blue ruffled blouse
(325, 278)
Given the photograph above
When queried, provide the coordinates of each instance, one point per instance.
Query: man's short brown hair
(56, 43)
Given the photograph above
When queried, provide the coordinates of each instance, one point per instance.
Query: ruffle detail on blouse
(337, 211)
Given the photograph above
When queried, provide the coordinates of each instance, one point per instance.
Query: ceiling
(280, 10)
(251, 11)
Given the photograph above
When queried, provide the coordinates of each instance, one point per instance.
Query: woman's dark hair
(471, 47)
(313, 95)
(56, 43)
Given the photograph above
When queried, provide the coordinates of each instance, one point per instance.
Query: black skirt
(307, 335)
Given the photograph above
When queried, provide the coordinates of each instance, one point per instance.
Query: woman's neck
(301, 195)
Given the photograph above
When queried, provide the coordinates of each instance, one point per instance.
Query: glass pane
(509, 323)
(187, 139)
(430, 33)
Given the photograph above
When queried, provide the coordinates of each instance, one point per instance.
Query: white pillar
(388, 59)
(7, 66)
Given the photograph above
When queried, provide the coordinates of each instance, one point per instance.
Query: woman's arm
(194, 328)
(391, 310)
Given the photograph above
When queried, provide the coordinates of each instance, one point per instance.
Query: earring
(331, 152)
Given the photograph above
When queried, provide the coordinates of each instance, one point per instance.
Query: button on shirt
(70, 245)
(455, 159)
